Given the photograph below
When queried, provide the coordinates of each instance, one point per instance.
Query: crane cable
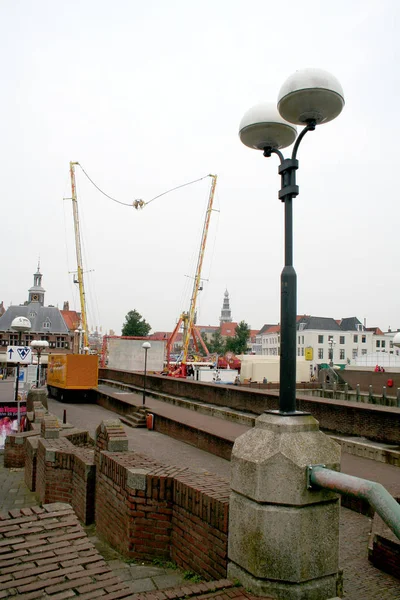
(140, 203)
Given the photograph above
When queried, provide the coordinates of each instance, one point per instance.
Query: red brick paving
(44, 553)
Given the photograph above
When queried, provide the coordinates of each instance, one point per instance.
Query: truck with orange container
(72, 376)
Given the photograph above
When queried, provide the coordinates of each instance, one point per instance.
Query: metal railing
(375, 494)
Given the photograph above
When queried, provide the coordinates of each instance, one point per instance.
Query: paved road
(361, 580)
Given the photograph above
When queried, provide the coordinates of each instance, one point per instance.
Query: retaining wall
(379, 423)
(146, 509)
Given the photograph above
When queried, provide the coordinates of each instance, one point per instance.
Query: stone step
(136, 419)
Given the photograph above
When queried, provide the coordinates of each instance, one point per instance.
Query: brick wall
(54, 470)
(145, 509)
(14, 449)
(64, 473)
(78, 437)
(31, 446)
(386, 555)
(110, 508)
(83, 484)
(200, 524)
(150, 511)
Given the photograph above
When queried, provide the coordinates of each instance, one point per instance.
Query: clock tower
(36, 292)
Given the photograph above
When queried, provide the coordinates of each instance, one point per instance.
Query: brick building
(48, 322)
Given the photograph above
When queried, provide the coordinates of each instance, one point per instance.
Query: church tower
(226, 311)
(36, 292)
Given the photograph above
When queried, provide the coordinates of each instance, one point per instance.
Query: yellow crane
(189, 328)
(79, 257)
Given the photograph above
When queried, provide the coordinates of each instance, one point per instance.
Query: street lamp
(80, 333)
(19, 324)
(309, 97)
(145, 346)
(39, 346)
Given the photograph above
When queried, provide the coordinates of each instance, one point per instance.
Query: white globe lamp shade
(146, 345)
(39, 344)
(21, 324)
(396, 340)
(310, 94)
(263, 127)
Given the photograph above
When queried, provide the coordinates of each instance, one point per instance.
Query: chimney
(66, 305)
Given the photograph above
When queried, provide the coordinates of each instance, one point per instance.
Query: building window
(355, 339)
(363, 352)
(320, 353)
(32, 315)
(298, 351)
(341, 339)
(302, 351)
(44, 338)
(320, 339)
(302, 339)
(383, 344)
(14, 337)
(355, 353)
(378, 343)
(342, 356)
(60, 342)
(363, 339)
(298, 340)
(46, 325)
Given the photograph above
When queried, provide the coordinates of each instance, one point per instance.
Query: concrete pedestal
(283, 538)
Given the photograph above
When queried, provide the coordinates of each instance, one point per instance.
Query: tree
(216, 344)
(135, 324)
(238, 343)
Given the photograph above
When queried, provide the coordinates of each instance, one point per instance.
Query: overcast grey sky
(149, 95)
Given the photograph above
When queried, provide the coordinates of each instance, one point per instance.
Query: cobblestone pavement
(13, 490)
(362, 581)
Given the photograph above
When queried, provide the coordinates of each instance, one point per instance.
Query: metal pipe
(374, 493)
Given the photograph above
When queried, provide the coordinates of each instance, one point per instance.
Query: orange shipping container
(73, 371)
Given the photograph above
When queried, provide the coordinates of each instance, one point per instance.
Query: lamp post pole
(80, 333)
(19, 324)
(145, 346)
(267, 463)
(309, 98)
(38, 368)
(39, 346)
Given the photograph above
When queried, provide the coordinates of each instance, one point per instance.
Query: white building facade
(322, 340)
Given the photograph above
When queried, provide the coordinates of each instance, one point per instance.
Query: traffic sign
(19, 354)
